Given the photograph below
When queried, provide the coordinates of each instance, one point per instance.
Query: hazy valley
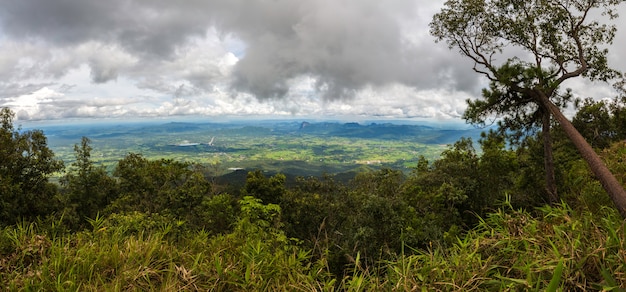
(297, 148)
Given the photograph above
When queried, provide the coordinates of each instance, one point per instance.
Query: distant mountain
(385, 131)
(389, 131)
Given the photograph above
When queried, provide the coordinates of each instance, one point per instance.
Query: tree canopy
(26, 164)
(527, 49)
(554, 40)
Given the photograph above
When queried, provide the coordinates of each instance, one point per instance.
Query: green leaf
(556, 278)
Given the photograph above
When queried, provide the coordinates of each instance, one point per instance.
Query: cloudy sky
(265, 58)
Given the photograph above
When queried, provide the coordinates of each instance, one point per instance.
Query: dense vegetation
(528, 50)
(472, 219)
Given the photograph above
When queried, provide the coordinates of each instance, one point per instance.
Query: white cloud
(29, 106)
(233, 57)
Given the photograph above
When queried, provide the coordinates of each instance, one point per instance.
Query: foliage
(585, 193)
(269, 190)
(561, 41)
(88, 188)
(462, 184)
(509, 250)
(601, 122)
(562, 38)
(26, 163)
(217, 213)
(158, 186)
(378, 218)
(463, 222)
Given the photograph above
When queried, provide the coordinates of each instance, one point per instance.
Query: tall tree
(555, 40)
(521, 117)
(26, 163)
(89, 188)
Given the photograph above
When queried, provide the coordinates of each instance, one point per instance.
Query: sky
(69, 59)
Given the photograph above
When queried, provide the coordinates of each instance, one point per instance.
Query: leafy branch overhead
(552, 41)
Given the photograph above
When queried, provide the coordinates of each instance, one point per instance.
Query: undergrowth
(552, 249)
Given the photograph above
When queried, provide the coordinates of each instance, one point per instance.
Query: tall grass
(115, 256)
(509, 250)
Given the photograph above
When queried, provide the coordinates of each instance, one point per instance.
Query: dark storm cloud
(143, 27)
(346, 45)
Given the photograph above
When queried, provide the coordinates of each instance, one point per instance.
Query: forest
(470, 219)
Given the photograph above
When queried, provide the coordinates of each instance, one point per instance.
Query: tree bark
(616, 191)
(548, 159)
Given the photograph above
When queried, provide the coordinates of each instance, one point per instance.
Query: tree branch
(579, 46)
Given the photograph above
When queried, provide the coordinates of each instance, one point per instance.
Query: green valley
(294, 147)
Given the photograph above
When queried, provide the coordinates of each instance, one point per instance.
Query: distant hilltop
(389, 131)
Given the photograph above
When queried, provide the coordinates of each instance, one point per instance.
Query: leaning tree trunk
(548, 158)
(607, 179)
